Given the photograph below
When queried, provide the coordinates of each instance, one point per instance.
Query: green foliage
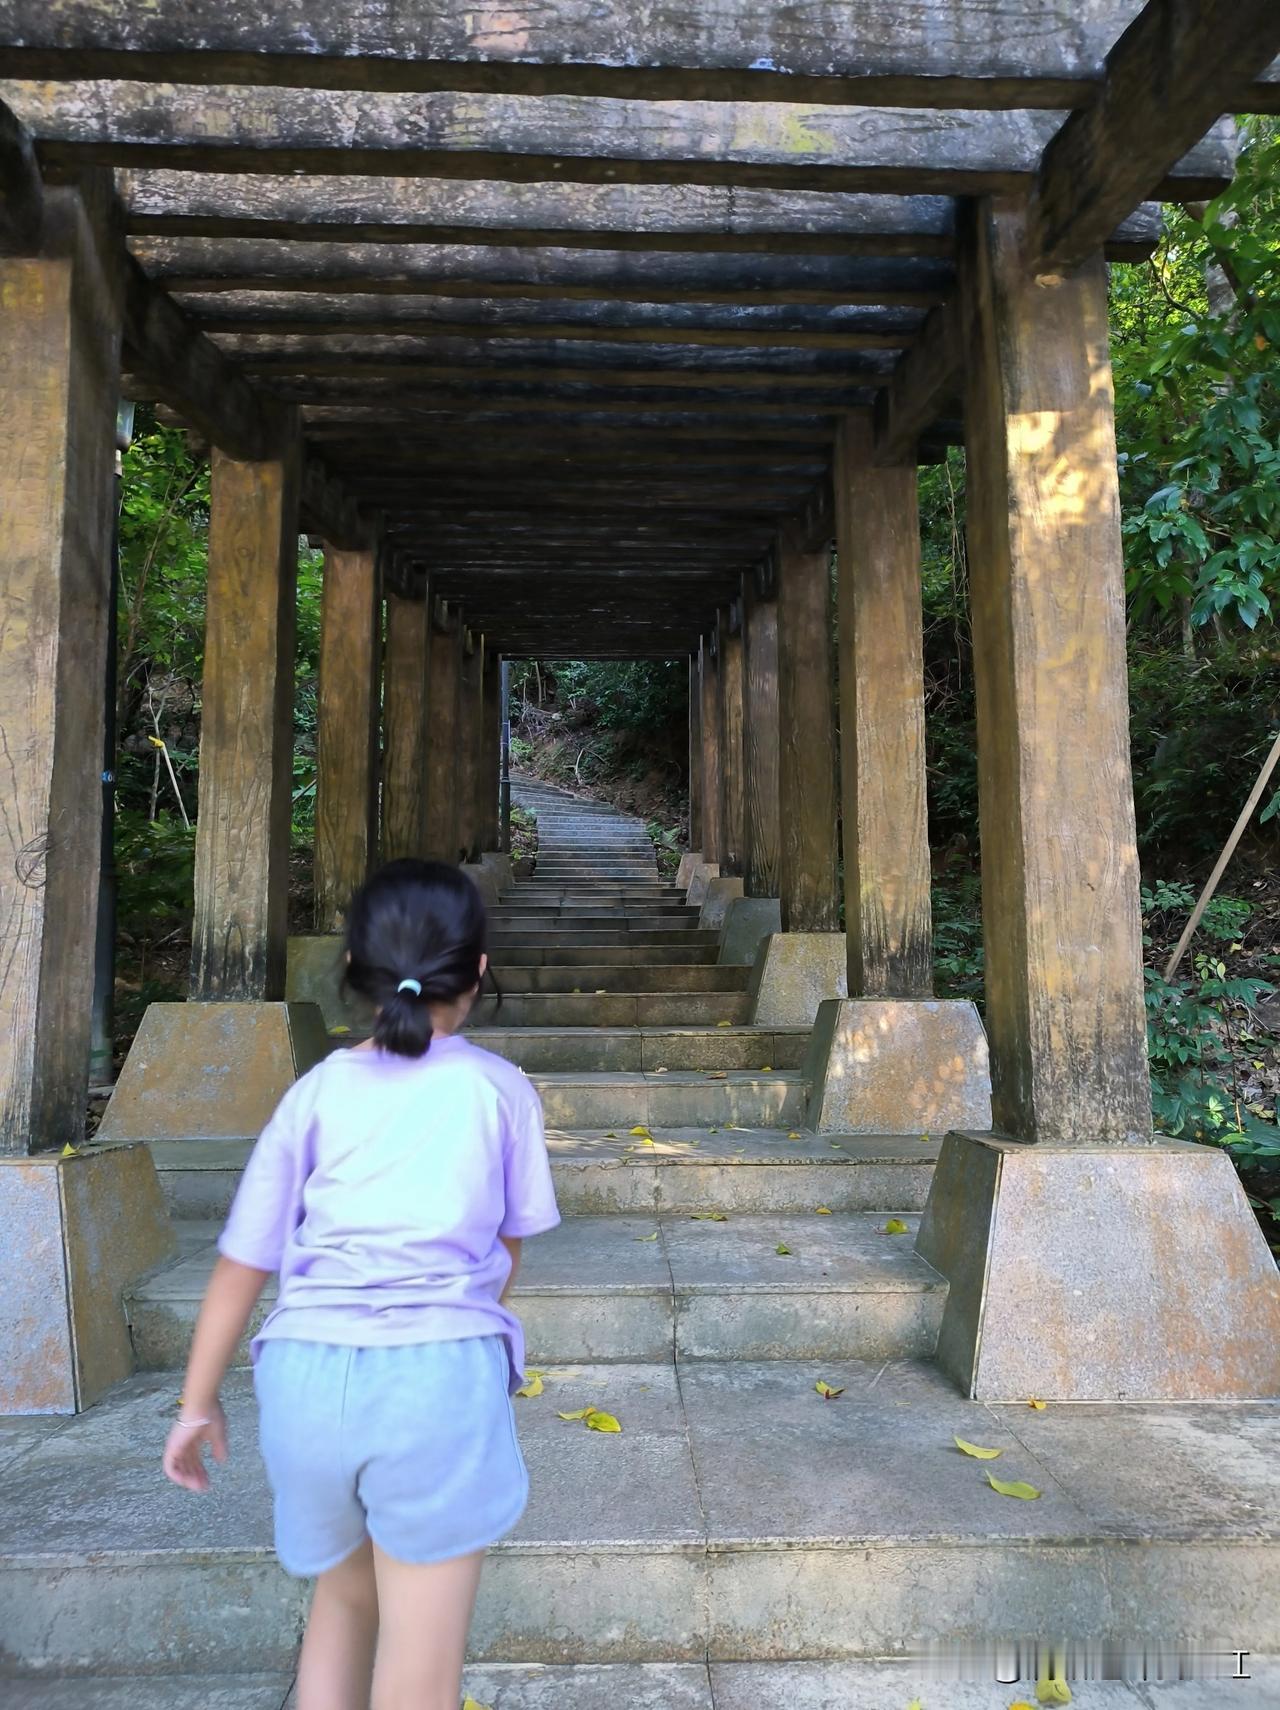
(155, 870)
(957, 937)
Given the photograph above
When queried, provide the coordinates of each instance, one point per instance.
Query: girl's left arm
(224, 1317)
(513, 1244)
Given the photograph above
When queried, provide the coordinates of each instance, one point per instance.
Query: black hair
(420, 921)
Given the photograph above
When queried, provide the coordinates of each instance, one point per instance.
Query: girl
(391, 1191)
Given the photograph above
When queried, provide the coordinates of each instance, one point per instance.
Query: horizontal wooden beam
(1033, 54)
(1175, 69)
(207, 265)
(371, 423)
(559, 139)
(354, 332)
(328, 508)
(21, 190)
(479, 388)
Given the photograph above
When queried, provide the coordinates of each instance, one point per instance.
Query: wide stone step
(535, 939)
(736, 1518)
(636, 1049)
(631, 972)
(633, 1288)
(672, 1686)
(682, 951)
(571, 920)
(679, 1099)
(603, 1171)
(620, 1008)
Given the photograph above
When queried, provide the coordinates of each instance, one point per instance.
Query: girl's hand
(184, 1451)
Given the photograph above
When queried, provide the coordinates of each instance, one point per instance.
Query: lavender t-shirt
(379, 1190)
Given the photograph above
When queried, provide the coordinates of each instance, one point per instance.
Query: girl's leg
(336, 1666)
(422, 1635)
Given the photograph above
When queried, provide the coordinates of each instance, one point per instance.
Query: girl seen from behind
(391, 1191)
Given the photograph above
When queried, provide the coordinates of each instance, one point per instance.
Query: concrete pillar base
(748, 922)
(721, 894)
(314, 976)
(703, 874)
(212, 1071)
(74, 1234)
(1101, 1273)
(491, 875)
(794, 973)
(898, 1066)
(689, 865)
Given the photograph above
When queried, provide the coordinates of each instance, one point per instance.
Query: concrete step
(632, 971)
(635, 1049)
(622, 955)
(532, 938)
(595, 919)
(621, 1008)
(736, 1518)
(602, 1171)
(679, 1686)
(547, 927)
(603, 1289)
(681, 1098)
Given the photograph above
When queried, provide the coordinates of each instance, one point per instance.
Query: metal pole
(504, 789)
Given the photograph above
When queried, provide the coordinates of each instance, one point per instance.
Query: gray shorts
(414, 1447)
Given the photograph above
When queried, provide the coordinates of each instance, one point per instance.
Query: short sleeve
(530, 1197)
(268, 1203)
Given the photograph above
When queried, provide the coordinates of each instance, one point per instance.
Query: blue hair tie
(414, 986)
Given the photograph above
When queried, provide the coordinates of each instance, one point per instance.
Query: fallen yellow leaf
(1013, 1487)
(611, 1135)
(724, 1024)
(647, 1141)
(640, 1129)
(713, 1130)
(602, 991)
(1022, 1705)
(823, 1211)
(581, 1413)
(70, 1151)
(717, 1075)
(707, 1217)
(783, 1249)
(978, 1454)
(337, 1030)
(915, 1704)
(470, 1704)
(577, 991)
(826, 1391)
(652, 1237)
(793, 1135)
(1052, 1691)
(1039, 1405)
(597, 1421)
(895, 1226)
(532, 1388)
(662, 1071)
(766, 1068)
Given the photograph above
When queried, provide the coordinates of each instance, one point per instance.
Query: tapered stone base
(314, 976)
(898, 1066)
(1100, 1273)
(794, 973)
(722, 892)
(491, 875)
(748, 922)
(700, 879)
(689, 864)
(74, 1234)
(212, 1071)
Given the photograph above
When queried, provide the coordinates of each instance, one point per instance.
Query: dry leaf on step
(783, 1249)
(915, 1704)
(724, 1024)
(1014, 1487)
(532, 1387)
(766, 1068)
(69, 1151)
(707, 1217)
(717, 1075)
(1052, 1691)
(595, 1420)
(611, 1135)
(895, 1226)
(470, 1704)
(823, 1211)
(663, 1071)
(642, 1131)
(794, 1135)
(647, 1141)
(827, 1391)
(1034, 1401)
(602, 991)
(652, 1237)
(581, 1413)
(979, 1454)
(1022, 1704)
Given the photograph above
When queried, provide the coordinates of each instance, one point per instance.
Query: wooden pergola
(582, 331)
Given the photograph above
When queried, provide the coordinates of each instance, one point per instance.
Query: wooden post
(732, 755)
(59, 383)
(761, 801)
(887, 909)
(491, 755)
(444, 644)
(695, 755)
(1059, 860)
(470, 735)
(810, 878)
(709, 722)
(404, 778)
(347, 734)
(246, 731)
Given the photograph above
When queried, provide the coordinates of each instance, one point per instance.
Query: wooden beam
(560, 139)
(21, 189)
(328, 508)
(206, 265)
(338, 421)
(565, 366)
(1175, 69)
(1029, 55)
(924, 382)
(253, 334)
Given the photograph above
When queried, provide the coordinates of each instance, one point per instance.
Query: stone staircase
(743, 1543)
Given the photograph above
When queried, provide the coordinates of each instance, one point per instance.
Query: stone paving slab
(169, 1692)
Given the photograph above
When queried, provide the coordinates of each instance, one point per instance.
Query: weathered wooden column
(76, 1231)
(1160, 1285)
(470, 737)
(347, 744)
(709, 726)
(404, 718)
(752, 917)
(804, 962)
(888, 1058)
(693, 858)
(732, 755)
(444, 644)
(491, 757)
